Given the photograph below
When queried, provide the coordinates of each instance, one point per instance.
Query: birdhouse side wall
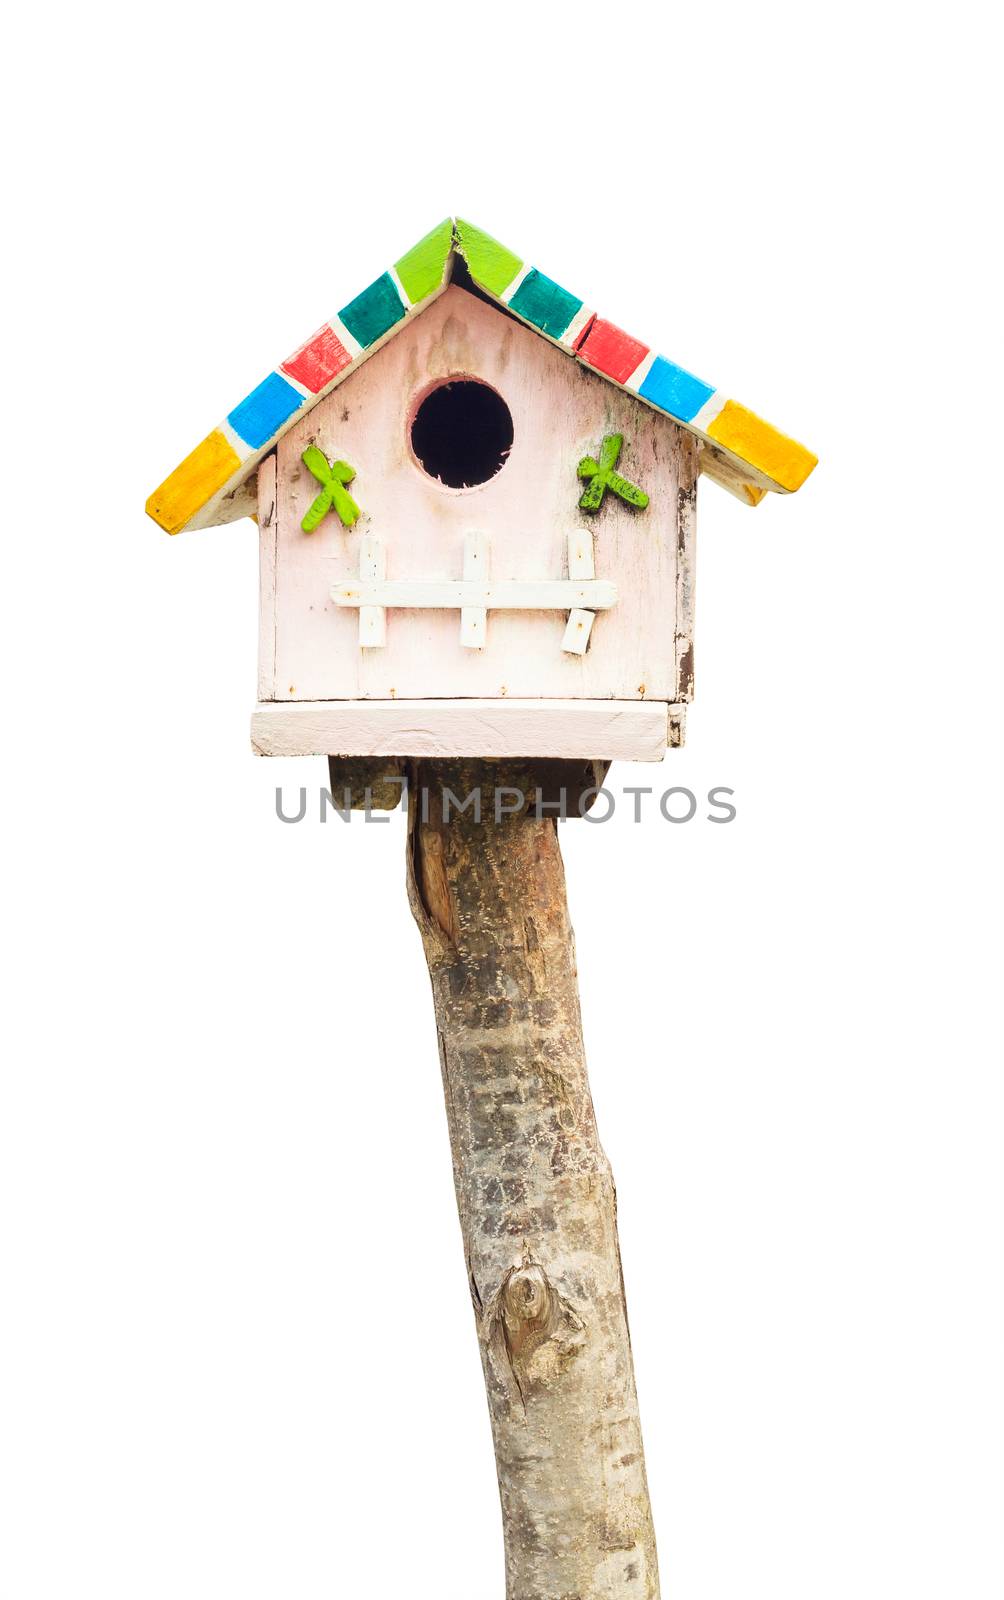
(521, 518)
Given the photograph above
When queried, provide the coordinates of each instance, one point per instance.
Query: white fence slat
(372, 618)
(474, 619)
(580, 554)
(581, 564)
(576, 635)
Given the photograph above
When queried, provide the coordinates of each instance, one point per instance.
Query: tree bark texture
(534, 1190)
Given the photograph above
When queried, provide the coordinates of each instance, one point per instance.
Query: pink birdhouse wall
(523, 524)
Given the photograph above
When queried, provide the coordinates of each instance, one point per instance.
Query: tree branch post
(538, 1210)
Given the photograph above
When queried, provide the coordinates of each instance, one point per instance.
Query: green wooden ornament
(333, 495)
(603, 477)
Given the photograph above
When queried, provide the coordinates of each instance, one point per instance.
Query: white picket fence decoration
(581, 594)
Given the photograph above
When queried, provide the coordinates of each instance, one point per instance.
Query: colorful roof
(745, 454)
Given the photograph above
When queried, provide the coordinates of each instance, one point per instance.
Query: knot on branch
(526, 1304)
(531, 1330)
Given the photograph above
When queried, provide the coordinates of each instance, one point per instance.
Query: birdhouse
(476, 507)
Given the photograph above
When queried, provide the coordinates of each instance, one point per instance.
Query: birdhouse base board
(603, 730)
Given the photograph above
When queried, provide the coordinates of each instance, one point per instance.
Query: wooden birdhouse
(476, 502)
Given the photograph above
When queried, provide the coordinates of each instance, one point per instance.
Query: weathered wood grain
(686, 575)
(566, 789)
(359, 783)
(536, 1198)
(728, 474)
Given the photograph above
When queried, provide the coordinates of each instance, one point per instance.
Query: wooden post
(534, 1189)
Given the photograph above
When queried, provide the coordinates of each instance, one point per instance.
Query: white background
(238, 1357)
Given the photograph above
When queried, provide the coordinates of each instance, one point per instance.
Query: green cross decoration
(333, 494)
(604, 477)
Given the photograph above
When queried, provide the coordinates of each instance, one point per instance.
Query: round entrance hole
(462, 433)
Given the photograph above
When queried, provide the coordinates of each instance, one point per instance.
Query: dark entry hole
(462, 433)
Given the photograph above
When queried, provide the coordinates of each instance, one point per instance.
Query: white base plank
(602, 730)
